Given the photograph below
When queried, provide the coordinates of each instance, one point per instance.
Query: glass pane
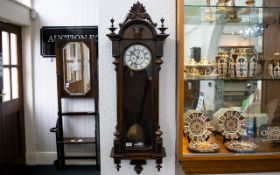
(231, 75)
(6, 48)
(14, 53)
(137, 94)
(14, 83)
(7, 85)
(226, 3)
(76, 68)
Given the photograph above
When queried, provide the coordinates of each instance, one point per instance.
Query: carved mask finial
(138, 31)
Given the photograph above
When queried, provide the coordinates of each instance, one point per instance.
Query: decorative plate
(231, 125)
(263, 132)
(240, 146)
(271, 133)
(197, 125)
(203, 147)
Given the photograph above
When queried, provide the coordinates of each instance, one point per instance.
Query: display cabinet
(228, 76)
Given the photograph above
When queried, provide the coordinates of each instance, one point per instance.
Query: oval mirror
(76, 68)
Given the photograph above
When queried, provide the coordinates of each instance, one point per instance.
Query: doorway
(12, 139)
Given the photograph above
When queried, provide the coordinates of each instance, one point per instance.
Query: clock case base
(138, 159)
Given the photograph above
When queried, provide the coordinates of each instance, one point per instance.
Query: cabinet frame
(200, 164)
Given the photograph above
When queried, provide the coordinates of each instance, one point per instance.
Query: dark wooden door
(12, 143)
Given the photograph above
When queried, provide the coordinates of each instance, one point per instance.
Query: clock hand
(134, 54)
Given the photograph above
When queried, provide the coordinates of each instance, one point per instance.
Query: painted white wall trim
(30, 158)
(13, 12)
(47, 158)
(28, 87)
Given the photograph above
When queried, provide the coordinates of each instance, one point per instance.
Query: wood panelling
(13, 139)
(230, 166)
(180, 73)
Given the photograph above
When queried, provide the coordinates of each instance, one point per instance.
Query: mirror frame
(91, 44)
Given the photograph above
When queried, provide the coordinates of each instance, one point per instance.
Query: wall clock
(231, 125)
(137, 49)
(137, 57)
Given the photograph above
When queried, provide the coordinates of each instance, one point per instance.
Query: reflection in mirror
(76, 68)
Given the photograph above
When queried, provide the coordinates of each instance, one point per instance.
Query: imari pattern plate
(203, 147)
(197, 126)
(240, 146)
(231, 125)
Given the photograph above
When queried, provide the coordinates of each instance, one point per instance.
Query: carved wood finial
(138, 165)
(116, 63)
(138, 11)
(162, 28)
(138, 31)
(158, 140)
(117, 133)
(112, 28)
(159, 61)
(118, 164)
(158, 162)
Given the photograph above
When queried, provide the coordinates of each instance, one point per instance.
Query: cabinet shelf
(77, 113)
(80, 157)
(264, 148)
(78, 140)
(229, 6)
(230, 79)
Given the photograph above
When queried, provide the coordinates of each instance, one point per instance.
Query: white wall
(13, 12)
(56, 13)
(107, 83)
(40, 78)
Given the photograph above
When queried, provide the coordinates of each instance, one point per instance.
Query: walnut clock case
(137, 49)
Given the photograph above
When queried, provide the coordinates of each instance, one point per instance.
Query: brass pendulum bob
(208, 13)
(232, 16)
(135, 133)
(222, 6)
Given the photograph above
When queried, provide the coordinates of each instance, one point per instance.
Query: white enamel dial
(137, 57)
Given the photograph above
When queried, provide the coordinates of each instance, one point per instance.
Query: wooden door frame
(17, 30)
(179, 74)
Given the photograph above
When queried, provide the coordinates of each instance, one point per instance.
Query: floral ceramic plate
(270, 133)
(231, 125)
(203, 147)
(240, 146)
(197, 125)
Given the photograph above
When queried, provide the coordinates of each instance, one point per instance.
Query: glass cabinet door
(228, 78)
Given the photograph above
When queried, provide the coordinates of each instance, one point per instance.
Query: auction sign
(49, 35)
